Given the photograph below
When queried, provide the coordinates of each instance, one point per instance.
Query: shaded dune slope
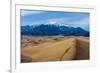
(69, 49)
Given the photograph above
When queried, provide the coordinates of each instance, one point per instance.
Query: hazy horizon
(73, 19)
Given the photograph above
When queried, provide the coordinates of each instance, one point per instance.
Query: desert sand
(58, 48)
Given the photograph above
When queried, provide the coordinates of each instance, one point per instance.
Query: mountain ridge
(50, 30)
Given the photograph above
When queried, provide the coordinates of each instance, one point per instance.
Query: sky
(73, 19)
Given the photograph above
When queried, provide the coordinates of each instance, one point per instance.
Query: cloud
(52, 22)
(83, 23)
(29, 12)
(74, 20)
(56, 21)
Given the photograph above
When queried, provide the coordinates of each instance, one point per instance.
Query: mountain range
(52, 30)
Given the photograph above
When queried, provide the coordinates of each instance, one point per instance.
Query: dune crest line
(68, 49)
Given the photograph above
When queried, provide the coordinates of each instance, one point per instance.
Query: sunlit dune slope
(72, 48)
(57, 51)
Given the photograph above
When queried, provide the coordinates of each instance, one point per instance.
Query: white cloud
(28, 12)
(57, 20)
(50, 21)
(83, 23)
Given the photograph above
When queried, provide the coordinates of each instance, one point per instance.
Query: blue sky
(74, 19)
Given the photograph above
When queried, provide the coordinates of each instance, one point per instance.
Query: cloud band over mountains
(73, 19)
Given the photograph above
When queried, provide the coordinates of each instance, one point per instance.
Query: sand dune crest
(69, 49)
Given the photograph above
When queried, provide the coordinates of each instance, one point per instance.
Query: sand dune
(67, 49)
(82, 49)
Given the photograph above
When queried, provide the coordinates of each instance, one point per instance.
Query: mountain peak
(51, 30)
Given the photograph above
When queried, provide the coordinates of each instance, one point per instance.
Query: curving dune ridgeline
(72, 48)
